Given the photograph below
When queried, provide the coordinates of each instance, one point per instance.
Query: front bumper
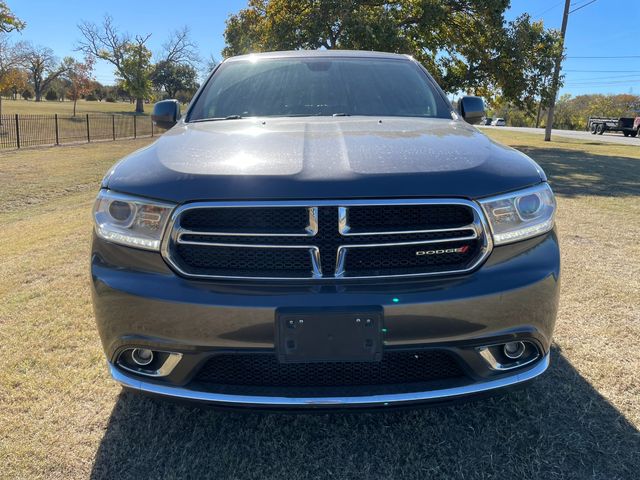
(140, 302)
(317, 402)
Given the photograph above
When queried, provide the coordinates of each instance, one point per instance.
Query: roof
(320, 54)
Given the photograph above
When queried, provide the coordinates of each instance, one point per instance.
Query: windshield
(319, 86)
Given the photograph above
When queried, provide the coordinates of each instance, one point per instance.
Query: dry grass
(61, 416)
(24, 107)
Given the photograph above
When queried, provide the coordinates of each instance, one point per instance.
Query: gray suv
(322, 229)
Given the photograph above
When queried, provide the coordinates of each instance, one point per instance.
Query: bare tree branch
(42, 65)
(181, 49)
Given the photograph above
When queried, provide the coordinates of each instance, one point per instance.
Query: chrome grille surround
(174, 233)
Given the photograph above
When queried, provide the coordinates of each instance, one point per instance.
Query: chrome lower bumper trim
(319, 402)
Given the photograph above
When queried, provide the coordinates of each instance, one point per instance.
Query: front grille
(264, 370)
(274, 220)
(407, 217)
(280, 241)
(245, 262)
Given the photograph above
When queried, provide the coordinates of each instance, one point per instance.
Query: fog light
(514, 350)
(142, 356)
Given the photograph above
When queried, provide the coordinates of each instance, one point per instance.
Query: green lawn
(62, 417)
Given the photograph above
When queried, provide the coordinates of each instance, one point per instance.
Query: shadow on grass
(574, 172)
(559, 427)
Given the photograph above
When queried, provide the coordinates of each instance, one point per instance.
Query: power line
(602, 71)
(582, 6)
(549, 9)
(604, 56)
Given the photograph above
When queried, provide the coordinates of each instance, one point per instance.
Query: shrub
(110, 100)
(51, 95)
(91, 98)
(27, 94)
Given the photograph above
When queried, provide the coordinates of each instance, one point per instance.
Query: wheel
(594, 128)
(625, 133)
(633, 133)
(600, 129)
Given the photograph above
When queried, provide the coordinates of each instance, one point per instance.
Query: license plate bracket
(329, 335)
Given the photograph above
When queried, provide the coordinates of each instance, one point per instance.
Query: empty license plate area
(326, 335)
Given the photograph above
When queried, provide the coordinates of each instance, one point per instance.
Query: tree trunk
(75, 100)
(38, 96)
(139, 105)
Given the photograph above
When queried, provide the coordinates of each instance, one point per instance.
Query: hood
(322, 158)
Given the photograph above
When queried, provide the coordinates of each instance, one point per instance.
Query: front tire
(594, 128)
(600, 129)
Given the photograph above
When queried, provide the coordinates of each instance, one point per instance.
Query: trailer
(599, 125)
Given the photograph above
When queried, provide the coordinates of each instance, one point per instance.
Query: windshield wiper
(215, 119)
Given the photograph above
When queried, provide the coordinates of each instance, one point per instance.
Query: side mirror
(166, 113)
(471, 109)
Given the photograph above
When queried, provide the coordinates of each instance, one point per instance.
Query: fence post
(88, 136)
(135, 133)
(17, 132)
(113, 126)
(151, 126)
(57, 134)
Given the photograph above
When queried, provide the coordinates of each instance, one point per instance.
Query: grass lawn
(62, 417)
(31, 107)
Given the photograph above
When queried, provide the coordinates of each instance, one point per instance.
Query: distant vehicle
(626, 125)
(487, 121)
(499, 122)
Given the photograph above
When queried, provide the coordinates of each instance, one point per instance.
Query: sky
(604, 29)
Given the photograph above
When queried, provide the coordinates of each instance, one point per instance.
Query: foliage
(8, 21)
(27, 94)
(51, 95)
(572, 113)
(79, 75)
(466, 44)
(132, 58)
(173, 77)
(42, 65)
(98, 90)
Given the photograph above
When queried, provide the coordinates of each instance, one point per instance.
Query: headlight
(131, 221)
(520, 215)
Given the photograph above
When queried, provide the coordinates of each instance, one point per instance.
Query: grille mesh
(255, 223)
(247, 220)
(407, 217)
(403, 260)
(254, 262)
(396, 367)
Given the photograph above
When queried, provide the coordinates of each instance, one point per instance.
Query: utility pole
(556, 73)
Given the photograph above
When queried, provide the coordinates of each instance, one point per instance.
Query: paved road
(580, 135)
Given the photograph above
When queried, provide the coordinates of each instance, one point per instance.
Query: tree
(8, 21)
(42, 65)
(15, 81)
(179, 49)
(465, 44)
(9, 62)
(172, 77)
(130, 56)
(79, 75)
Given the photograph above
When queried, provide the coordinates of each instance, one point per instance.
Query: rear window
(319, 87)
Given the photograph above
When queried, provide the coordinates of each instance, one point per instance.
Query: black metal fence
(19, 131)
